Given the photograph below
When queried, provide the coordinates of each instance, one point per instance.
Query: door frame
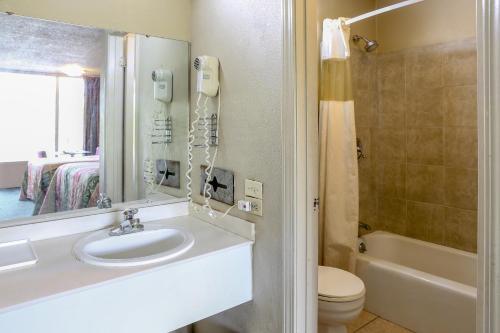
(300, 108)
(488, 46)
(300, 165)
(111, 120)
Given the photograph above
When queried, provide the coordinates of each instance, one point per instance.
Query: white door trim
(292, 245)
(299, 106)
(312, 138)
(111, 134)
(131, 186)
(488, 42)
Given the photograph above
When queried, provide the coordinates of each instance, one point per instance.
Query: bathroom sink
(153, 245)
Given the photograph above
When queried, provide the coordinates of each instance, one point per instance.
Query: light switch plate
(253, 189)
(256, 206)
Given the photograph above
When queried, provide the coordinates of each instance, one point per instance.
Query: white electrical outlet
(253, 189)
(256, 205)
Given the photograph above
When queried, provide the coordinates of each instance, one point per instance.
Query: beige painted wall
(247, 38)
(349, 8)
(164, 18)
(430, 22)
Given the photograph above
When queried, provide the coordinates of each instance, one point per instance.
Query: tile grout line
(367, 323)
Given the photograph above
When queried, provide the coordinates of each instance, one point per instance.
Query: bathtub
(424, 287)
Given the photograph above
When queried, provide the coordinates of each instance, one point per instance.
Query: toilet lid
(339, 285)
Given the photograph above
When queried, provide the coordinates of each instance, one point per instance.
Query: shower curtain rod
(382, 10)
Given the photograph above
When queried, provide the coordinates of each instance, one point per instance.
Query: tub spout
(362, 247)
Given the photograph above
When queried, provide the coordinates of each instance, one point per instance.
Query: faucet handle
(365, 226)
(130, 212)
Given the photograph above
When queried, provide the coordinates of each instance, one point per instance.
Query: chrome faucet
(362, 245)
(129, 225)
(104, 201)
(365, 226)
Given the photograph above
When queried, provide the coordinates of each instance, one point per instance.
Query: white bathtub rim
(416, 274)
(420, 242)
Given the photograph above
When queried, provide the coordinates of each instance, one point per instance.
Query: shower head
(370, 45)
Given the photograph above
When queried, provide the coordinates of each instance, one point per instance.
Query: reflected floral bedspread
(38, 177)
(73, 186)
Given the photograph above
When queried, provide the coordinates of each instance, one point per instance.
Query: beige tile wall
(416, 117)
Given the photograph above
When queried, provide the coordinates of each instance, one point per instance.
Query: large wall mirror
(89, 118)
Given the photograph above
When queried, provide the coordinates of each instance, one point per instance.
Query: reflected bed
(61, 184)
(74, 186)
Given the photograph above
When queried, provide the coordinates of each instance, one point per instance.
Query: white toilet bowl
(341, 297)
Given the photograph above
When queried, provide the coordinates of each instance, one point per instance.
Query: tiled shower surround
(416, 118)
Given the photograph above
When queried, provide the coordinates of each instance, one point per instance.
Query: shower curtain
(338, 156)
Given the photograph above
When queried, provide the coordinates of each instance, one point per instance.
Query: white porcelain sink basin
(153, 245)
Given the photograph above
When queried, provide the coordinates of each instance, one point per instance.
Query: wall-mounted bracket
(212, 124)
(221, 184)
(168, 173)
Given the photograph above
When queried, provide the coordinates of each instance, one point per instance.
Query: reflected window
(27, 111)
(71, 112)
(40, 113)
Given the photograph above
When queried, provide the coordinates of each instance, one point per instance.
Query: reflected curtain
(338, 160)
(91, 113)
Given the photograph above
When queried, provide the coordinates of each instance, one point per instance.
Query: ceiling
(28, 44)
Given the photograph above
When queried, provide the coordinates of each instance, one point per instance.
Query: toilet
(341, 297)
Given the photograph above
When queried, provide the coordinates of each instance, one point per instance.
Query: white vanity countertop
(58, 272)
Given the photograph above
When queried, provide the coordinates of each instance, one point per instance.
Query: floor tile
(364, 318)
(380, 325)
